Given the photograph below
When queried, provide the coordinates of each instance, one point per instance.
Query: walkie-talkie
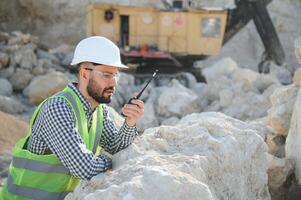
(140, 93)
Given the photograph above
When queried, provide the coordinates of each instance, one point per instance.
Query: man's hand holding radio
(133, 111)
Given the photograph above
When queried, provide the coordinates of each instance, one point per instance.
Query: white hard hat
(98, 50)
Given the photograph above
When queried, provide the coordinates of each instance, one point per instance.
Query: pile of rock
(27, 68)
(237, 92)
(283, 139)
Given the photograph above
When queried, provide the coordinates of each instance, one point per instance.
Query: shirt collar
(84, 101)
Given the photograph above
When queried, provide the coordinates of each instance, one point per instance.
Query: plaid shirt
(54, 132)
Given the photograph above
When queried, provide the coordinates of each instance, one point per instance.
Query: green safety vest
(43, 177)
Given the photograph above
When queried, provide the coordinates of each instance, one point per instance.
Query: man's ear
(83, 73)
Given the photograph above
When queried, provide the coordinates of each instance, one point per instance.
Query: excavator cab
(146, 34)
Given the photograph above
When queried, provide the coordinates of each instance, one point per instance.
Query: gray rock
(264, 81)
(45, 63)
(19, 38)
(4, 60)
(282, 73)
(20, 79)
(6, 88)
(46, 55)
(10, 105)
(7, 72)
(187, 79)
(26, 58)
(200, 89)
(38, 70)
(62, 50)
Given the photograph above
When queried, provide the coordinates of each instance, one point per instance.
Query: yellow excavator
(180, 33)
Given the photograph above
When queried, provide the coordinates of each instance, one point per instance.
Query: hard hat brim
(118, 65)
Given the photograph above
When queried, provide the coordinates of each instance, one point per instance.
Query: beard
(97, 93)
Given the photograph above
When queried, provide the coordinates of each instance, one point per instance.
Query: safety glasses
(104, 74)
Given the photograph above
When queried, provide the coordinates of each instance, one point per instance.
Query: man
(68, 130)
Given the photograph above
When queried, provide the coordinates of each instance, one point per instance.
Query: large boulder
(11, 130)
(293, 140)
(44, 86)
(207, 156)
(279, 115)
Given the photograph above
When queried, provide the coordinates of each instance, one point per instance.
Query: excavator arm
(256, 10)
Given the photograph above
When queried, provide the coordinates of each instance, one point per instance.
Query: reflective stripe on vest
(35, 165)
(32, 193)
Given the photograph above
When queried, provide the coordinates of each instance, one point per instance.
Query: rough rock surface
(293, 140)
(279, 115)
(207, 155)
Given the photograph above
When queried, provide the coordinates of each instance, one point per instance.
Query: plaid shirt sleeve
(54, 129)
(114, 140)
